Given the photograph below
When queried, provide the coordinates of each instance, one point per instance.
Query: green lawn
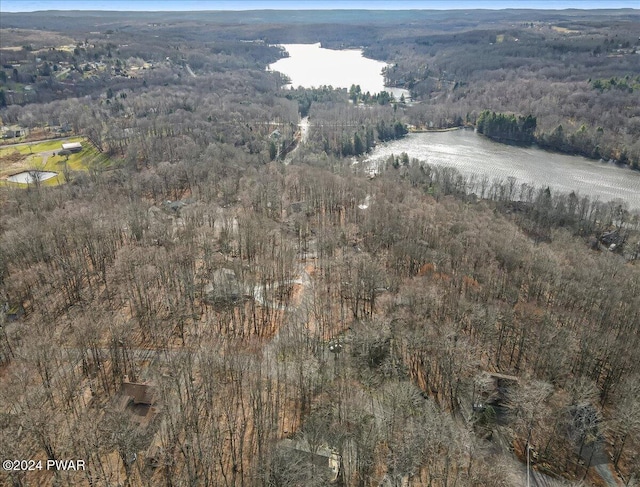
(76, 162)
(36, 147)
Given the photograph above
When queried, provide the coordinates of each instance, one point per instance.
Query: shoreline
(416, 130)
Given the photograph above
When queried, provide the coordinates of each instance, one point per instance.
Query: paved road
(518, 475)
(607, 475)
(604, 470)
(190, 70)
(600, 462)
(20, 144)
(304, 135)
(541, 480)
(45, 155)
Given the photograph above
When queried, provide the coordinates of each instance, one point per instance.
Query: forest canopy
(217, 291)
(507, 128)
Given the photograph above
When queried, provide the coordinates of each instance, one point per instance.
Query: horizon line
(150, 6)
(454, 9)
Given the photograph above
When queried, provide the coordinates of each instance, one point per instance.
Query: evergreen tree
(399, 129)
(358, 146)
(501, 126)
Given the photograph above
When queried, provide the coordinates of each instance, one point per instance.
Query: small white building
(72, 146)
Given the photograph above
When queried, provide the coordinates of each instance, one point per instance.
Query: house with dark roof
(323, 457)
(138, 399)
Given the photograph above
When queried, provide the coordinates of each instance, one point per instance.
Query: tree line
(507, 128)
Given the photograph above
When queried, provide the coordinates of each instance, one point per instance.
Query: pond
(310, 65)
(474, 154)
(29, 177)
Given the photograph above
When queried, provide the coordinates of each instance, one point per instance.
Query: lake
(310, 65)
(471, 153)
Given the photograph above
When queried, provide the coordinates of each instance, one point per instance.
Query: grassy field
(37, 147)
(43, 156)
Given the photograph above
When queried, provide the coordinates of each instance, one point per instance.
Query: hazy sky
(176, 5)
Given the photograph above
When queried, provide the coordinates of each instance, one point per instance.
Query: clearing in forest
(48, 156)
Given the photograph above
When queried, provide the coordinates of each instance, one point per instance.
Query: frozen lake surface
(310, 65)
(471, 153)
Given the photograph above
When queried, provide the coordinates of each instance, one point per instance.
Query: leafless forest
(226, 304)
